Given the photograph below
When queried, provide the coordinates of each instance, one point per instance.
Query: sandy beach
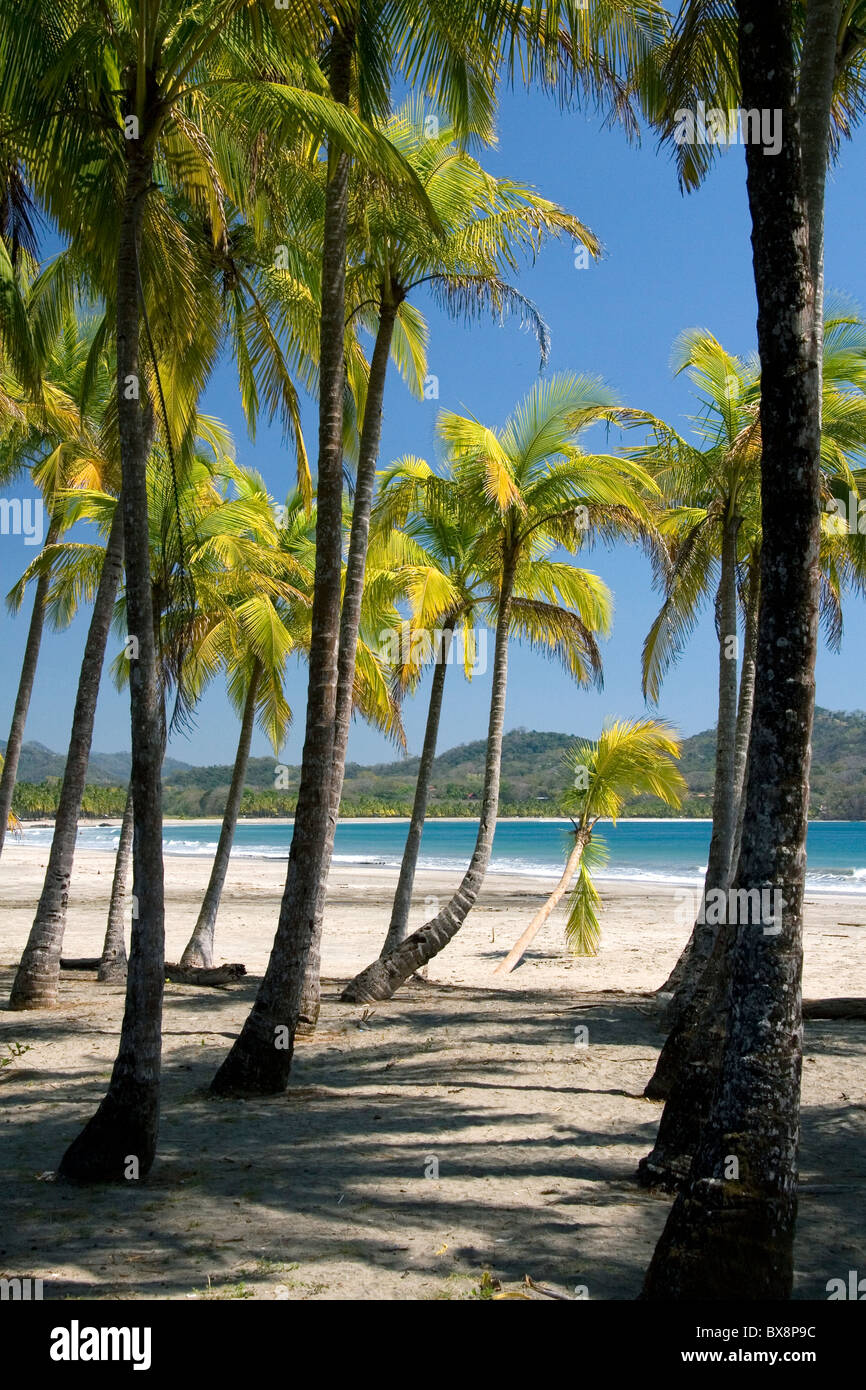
(460, 1127)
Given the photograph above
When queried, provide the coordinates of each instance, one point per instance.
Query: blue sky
(670, 263)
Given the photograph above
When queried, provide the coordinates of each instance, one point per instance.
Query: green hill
(532, 779)
(40, 764)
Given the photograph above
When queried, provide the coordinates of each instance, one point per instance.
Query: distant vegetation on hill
(532, 778)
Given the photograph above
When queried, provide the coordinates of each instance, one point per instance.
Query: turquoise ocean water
(660, 851)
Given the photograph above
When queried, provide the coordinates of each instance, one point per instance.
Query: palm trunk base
(112, 970)
(198, 955)
(373, 983)
(119, 1143)
(721, 1243)
(32, 991)
(381, 979)
(43, 997)
(256, 1065)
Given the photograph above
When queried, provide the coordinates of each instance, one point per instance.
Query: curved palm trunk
(261, 1059)
(735, 1232)
(36, 980)
(119, 1142)
(384, 976)
(693, 960)
(525, 940)
(698, 1043)
(113, 965)
(9, 772)
(745, 704)
(691, 1017)
(199, 948)
(398, 929)
(350, 618)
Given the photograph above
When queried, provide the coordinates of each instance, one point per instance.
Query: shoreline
(365, 890)
(114, 821)
(91, 823)
(504, 876)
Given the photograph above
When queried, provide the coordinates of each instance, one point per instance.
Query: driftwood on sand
(177, 974)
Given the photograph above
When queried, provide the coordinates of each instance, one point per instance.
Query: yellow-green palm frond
(373, 694)
(582, 927)
(691, 580)
(558, 632)
(548, 419)
(409, 347)
(631, 757)
(482, 462)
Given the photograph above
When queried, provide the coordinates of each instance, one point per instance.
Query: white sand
(322, 1193)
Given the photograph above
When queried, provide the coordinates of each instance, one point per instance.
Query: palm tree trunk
(814, 100)
(384, 976)
(350, 618)
(746, 703)
(120, 1140)
(199, 948)
(691, 1017)
(698, 1041)
(689, 968)
(724, 789)
(36, 980)
(261, 1059)
(732, 1226)
(113, 965)
(399, 926)
(523, 942)
(9, 773)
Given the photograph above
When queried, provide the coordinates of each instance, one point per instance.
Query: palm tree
(711, 519)
(712, 481)
(426, 536)
(113, 962)
(168, 98)
(531, 487)
(253, 641)
(36, 980)
(722, 1232)
(216, 530)
(47, 432)
(463, 85)
(486, 223)
(460, 47)
(426, 529)
(713, 527)
(35, 983)
(632, 757)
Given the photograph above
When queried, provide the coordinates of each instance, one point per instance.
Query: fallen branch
(195, 975)
(834, 1008)
(80, 963)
